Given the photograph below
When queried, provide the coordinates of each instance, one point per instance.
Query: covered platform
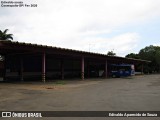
(26, 61)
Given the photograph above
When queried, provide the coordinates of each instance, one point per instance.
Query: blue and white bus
(122, 70)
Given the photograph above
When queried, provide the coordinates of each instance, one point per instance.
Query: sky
(123, 26)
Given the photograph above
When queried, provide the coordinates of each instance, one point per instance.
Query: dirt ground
(137, 93)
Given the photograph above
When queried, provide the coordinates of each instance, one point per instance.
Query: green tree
(151, 53)
(132, 55)
(111, 53)
(5, 36)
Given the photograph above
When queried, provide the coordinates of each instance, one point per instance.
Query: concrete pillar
(106, 69)
(82, 68)
(62, 69)
(4, 71)
(88, 70)
(44, 67)
(142, 69)
(21, 69)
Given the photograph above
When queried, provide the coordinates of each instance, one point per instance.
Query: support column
(4, 67)
(82, 68)
(142, 69)
(62, 69)
(21, 69)
(106, 69)
(44, 67)
(88, 70)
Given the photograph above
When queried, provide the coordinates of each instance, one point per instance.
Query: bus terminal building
(23, 61)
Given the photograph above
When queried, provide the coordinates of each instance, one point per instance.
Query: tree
(150, 53)
(111, 53)
(5, 36)
(132, 55)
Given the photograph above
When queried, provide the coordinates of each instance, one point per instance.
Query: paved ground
(139, 93)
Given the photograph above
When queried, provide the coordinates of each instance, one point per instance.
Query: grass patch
(60, 82)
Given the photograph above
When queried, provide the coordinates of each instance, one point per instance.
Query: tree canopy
(111, 53)
(132, 55)
(5, 36)
(151, 53)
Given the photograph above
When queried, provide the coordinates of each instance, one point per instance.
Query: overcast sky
(124, 26)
